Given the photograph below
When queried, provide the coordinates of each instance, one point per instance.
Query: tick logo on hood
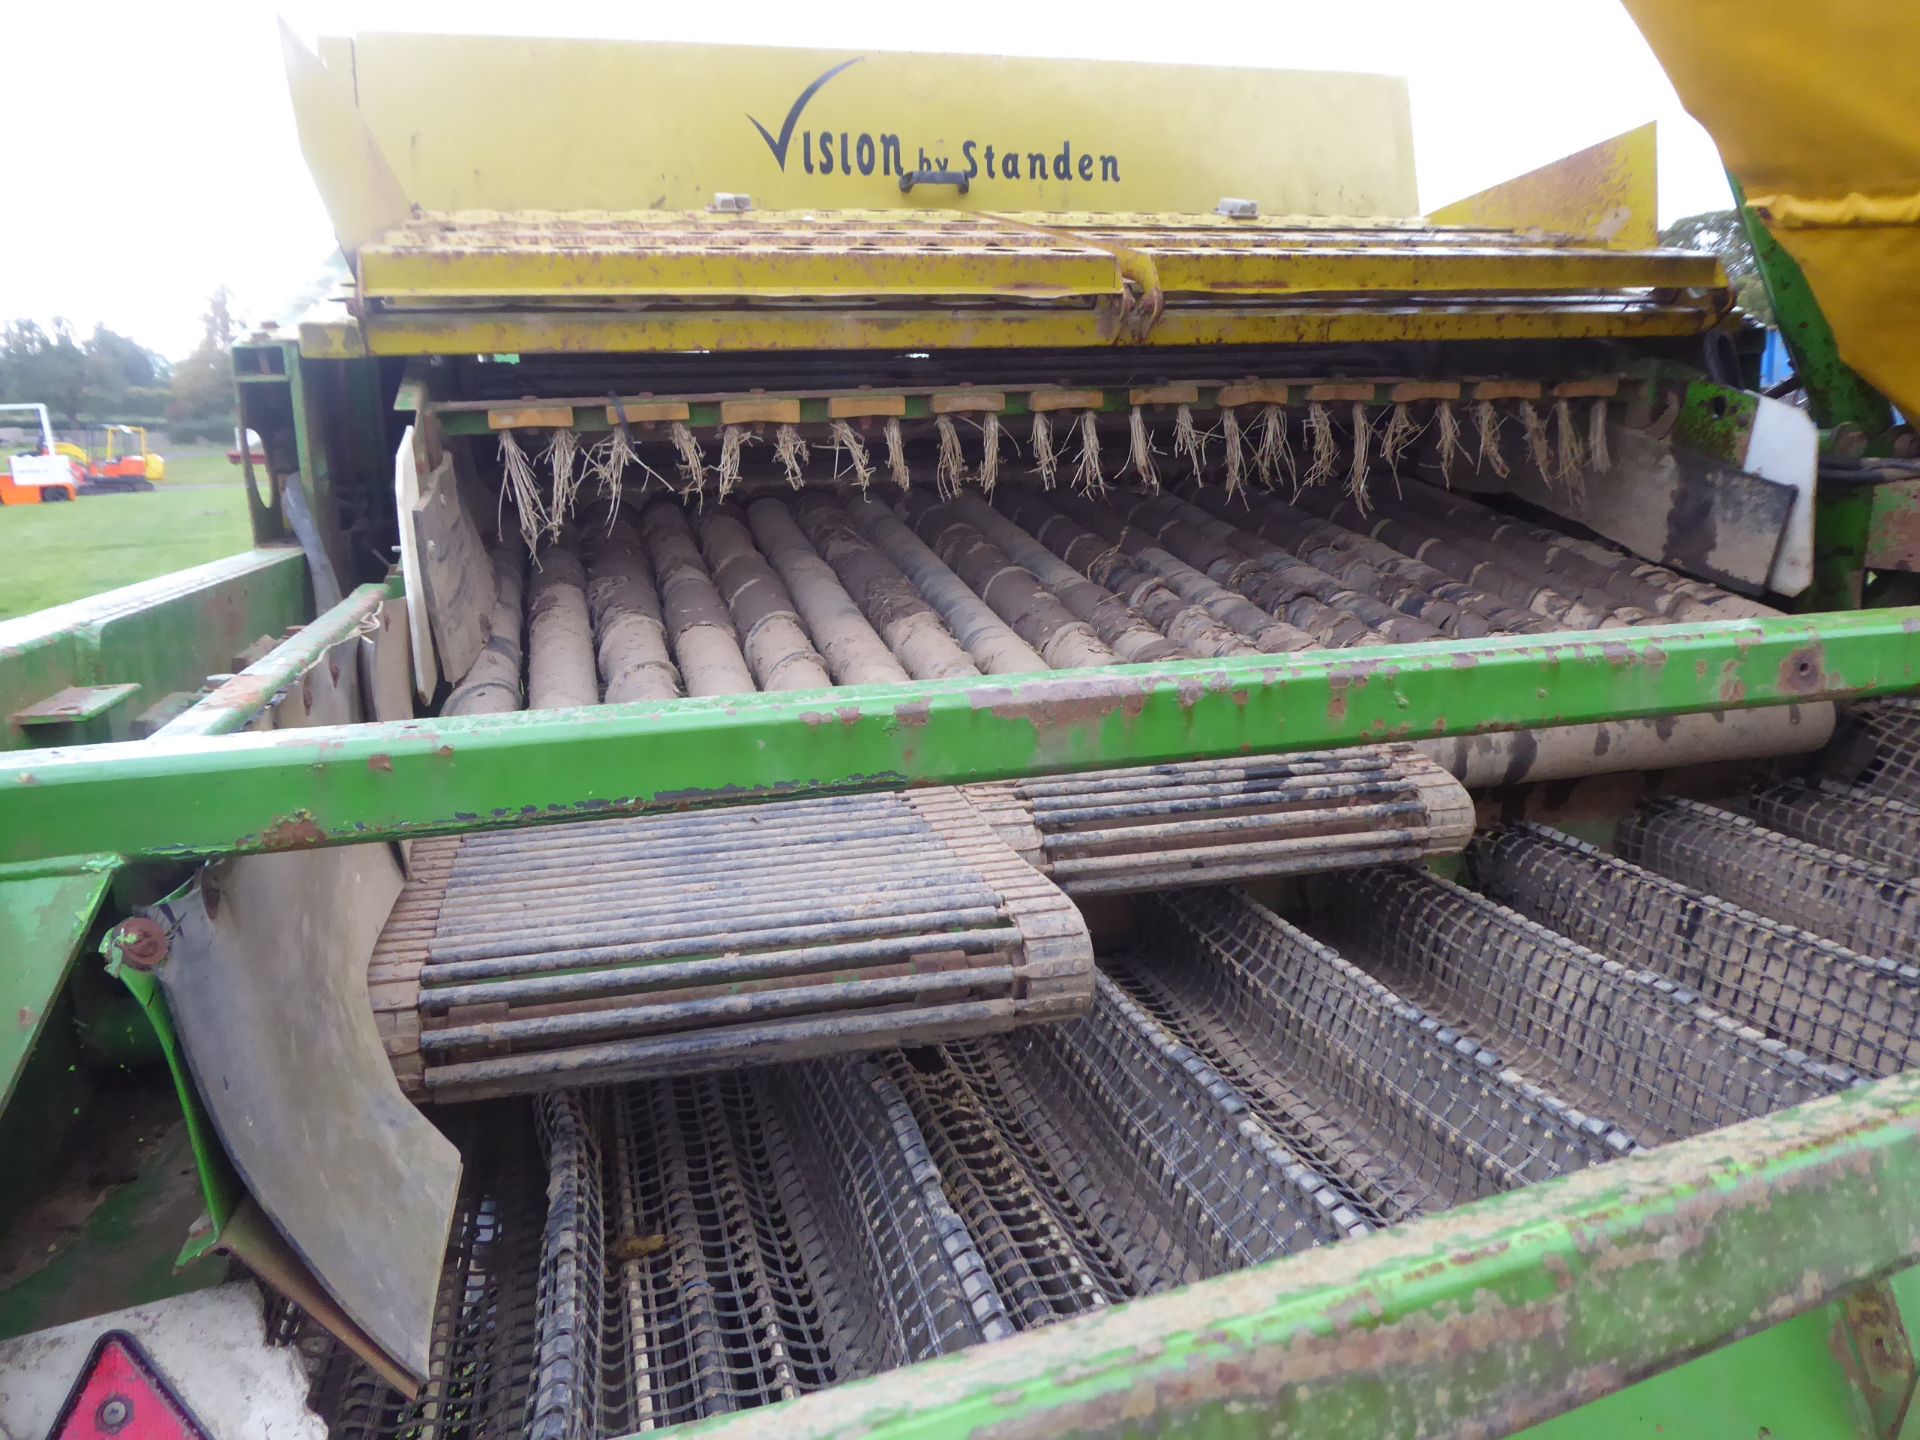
(879, 150)
(779, 147)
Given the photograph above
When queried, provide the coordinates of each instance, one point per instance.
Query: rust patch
(1804, 671)
(381, 763)
(297, 832)
(913, 712)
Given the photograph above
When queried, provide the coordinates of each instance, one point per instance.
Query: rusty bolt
(140, 942)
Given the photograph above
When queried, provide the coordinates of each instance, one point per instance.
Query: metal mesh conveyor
(1626, 1044)
(1853, 902)
(1877, 748)
(639, 1255)
(1849, 1009)
(1855, 821)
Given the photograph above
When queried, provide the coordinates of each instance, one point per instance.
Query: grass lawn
(201, 464)
(50, 554)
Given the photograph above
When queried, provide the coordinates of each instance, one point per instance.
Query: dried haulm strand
(848, 443)
(990, 452)
(1450, 447)
(1087, 478)
(897, 454)
(1326, 454)
(1188, 441)
(1539, 443)
(1045, 461)
(951, 471)
(1571, 452)
(733, 440)
(693, 465)
(1140, 450)
(1357, 474)
(792, 453)
(1401, 432)
(1486, 421)
(607, 462)
(1273, 453)
(517, 472)
(1236, 450)
(562, 455)
(1598, 456)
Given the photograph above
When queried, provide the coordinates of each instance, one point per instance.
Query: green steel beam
(1496, 1316)
(261, 792)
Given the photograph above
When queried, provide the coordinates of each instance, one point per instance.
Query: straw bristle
(1045, 461)
(897, 455)
(517, 470)
(1274, 452)
(1357, 473)
(1450, 447)
(846, 442)
(733, 440)
(1486, 421)
(1539, 444)
(1188, 441)
(1325, 453)
(951, 471)
(562, 455)
(1236, 450)
(990, 433)
(1401, 432)
(792, 453)
(1087, 478)
(1140, 450)
(1571, 449)
(1599, 457)
(693, 465)
(607, 462)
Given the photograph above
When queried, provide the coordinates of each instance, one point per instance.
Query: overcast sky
(155, 157)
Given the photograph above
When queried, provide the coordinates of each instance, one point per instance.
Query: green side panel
(251, 793)
(163, 635)
(43, 922)
(1783, 1381)
(1835, 393)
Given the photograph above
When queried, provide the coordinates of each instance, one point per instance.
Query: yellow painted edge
(760, 411)
(1165, 395)
(1066, 400)
(532, 417)
(968, 402)
(1251, 392)
(857, 407)
(648, 412)
(1404, 390)
(1504, 390)
(1340, 390)
(1598, 387)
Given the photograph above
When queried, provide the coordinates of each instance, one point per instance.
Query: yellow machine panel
(1803, 104)
(471, 123)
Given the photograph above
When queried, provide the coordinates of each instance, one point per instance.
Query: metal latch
(1237, 209)
(728, 201)
(956, 178)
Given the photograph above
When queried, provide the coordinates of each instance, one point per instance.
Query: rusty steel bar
(340, 785)
(234, 704)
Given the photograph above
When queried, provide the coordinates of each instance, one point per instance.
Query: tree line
(108, 377)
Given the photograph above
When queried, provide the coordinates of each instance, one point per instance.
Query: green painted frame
(243, 794)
